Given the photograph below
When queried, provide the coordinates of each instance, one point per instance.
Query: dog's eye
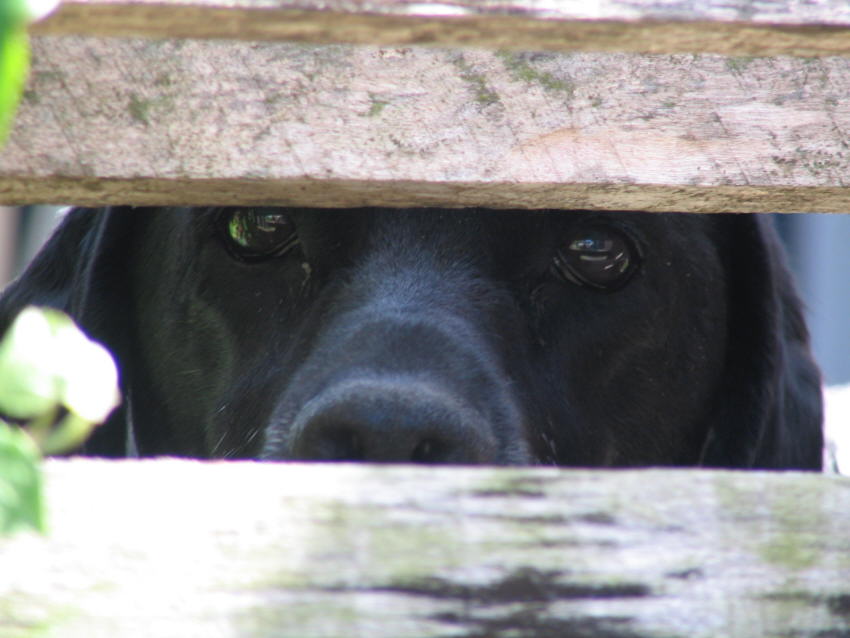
(599, 257)
(258, 233)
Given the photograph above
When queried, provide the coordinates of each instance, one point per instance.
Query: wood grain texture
(179, 548)
(210, 122)
(736, 27)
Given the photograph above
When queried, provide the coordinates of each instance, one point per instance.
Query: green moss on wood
(48, 76)
(163, 79)
(738, 64)
(139, 109)
(789, 544)
(520, 69)
(477, 82)
(376, 106)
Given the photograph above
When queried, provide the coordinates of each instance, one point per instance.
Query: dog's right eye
(599, 257)
(258, 233)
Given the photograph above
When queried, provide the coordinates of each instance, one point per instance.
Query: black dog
(505, 337)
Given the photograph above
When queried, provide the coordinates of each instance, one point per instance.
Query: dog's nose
(390, 424)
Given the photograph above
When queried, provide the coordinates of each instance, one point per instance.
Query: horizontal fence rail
(737, 27)
(180, 548)
(140, 121)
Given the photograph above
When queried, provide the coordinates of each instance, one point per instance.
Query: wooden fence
(160, 120)
(185, 549)
(638, 105)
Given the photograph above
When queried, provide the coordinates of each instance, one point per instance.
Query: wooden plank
(213, 122)
(737, 27)
(182, 548)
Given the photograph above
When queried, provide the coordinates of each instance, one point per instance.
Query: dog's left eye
(599, 257)
(258, 233)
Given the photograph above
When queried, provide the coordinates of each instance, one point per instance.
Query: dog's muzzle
(391, 420)
(401, 390)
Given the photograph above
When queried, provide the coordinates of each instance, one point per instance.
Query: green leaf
(21, 491)
(14, 62)
(14, 13)
(15, 53)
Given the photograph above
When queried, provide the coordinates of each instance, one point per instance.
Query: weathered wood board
(737, 27)
(180, 548)
(128, 121)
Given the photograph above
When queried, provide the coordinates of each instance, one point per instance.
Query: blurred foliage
(14, 53)
(55, 384)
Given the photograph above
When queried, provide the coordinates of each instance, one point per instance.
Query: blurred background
(817, 247)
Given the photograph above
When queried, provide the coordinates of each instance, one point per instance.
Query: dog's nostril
(389, 423)
(341, 444)
(329, 436)
(361, 442)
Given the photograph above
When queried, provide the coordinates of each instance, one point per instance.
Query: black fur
(440, 336)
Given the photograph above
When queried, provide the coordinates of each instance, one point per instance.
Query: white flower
(46, 360)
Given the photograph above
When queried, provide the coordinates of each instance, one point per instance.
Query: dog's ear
(80, 270)
(769, 414)
(49, 278)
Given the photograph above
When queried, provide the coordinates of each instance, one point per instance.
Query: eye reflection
(598, 257)
(256, 233)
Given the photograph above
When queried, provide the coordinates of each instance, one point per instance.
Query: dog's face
(501, 337)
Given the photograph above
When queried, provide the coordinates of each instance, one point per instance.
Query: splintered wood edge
(641, 27)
